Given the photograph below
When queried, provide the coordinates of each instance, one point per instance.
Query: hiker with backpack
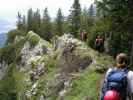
(99, 43)
(118, 83)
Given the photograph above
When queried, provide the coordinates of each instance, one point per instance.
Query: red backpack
(112, 95)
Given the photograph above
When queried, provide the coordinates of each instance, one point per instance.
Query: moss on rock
(33, 38)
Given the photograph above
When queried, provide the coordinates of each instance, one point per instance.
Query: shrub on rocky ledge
(33, 38)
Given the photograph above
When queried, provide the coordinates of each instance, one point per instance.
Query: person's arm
(130, 84)
(104, 86)
(103, 90)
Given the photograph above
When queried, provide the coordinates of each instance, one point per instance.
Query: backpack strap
(113, 70)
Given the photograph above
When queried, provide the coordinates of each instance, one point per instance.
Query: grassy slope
(85, 84)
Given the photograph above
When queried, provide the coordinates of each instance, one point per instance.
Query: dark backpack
(117, 80)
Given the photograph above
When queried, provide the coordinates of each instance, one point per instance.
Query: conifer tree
(120, 14)
(46, 27)
(91, 11)
(84, 19)
(19, 21)
(24, 26)
(30, 19)
(36, 21)
(91, 15)
(59, 23)
(75, 17)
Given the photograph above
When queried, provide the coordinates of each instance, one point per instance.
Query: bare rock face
(32, 91)
(3, 68)
(31, 53)
(41, 97)
(71, 60)
(37, 72)
(63, 41)
(70, 57)
(18, 38)
(28, 52)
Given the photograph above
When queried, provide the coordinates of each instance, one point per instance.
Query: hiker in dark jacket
(118, 83)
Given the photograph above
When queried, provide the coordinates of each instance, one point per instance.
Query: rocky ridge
(48, 69)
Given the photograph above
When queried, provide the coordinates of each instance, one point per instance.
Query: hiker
(99, 43)
(118, 83)
(83, 35)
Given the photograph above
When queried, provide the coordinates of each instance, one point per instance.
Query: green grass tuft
(85, 86)
(33, 38)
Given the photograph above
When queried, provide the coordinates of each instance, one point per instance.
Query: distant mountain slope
(6, 25)
(3, 38)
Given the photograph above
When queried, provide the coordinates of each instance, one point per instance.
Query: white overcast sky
(9, 8)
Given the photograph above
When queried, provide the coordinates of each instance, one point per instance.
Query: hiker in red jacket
(83, 35)
(99, 43)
